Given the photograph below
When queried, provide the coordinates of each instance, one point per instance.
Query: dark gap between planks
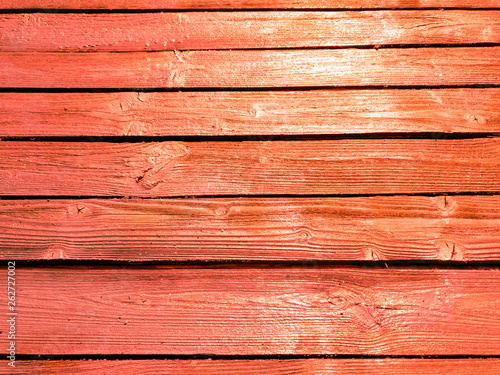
(231, 89)
(251, 137)
(255, 264)
(360, 46)
(116, 357)
(61, 197)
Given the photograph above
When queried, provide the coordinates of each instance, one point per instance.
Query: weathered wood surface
(386, 366)
(356, 166)
(239, 30)
(245, 311)
(249, 113)
(252, 308)
(376, 228)
(252, 68)
(244, 4)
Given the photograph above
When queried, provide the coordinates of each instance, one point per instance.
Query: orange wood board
(387, 366)
(252, 68)
(156, 169)
(244, 4)
(239, 30)
(250, 113)
(462, 228)
(257, 311)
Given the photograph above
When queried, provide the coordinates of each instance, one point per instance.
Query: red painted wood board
(156, 169)
(256, 311)
(385, 366)
(42, 32)
(252, 68)
(461, 228)
(250, 113)
(244, 4)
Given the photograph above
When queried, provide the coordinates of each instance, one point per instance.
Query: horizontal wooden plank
(386, 366)
(244, 4)
(255, 311)
(355, 166)
(376, 228)
(249, 113)
(41, 32)
(252, 68)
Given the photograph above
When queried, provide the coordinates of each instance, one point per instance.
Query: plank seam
(358, 46)
(61, 197)
(301, 48)
(118, 357)
(255, 264)
(229, 10)
(241, 89)
(254, 137)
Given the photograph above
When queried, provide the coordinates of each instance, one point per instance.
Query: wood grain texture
(252, 68)
(244, 4)
(255, 311)
(39, 32)
(392, 366)
(304, 229)
(358, 166)
(249, 113)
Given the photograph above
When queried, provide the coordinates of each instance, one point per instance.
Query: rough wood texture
(249, 311)
(389, 366)
(376, 228)
(244, 4)
(239, 30)
(249, 113)
(299, 306)
(252, 68)
(358, 166)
